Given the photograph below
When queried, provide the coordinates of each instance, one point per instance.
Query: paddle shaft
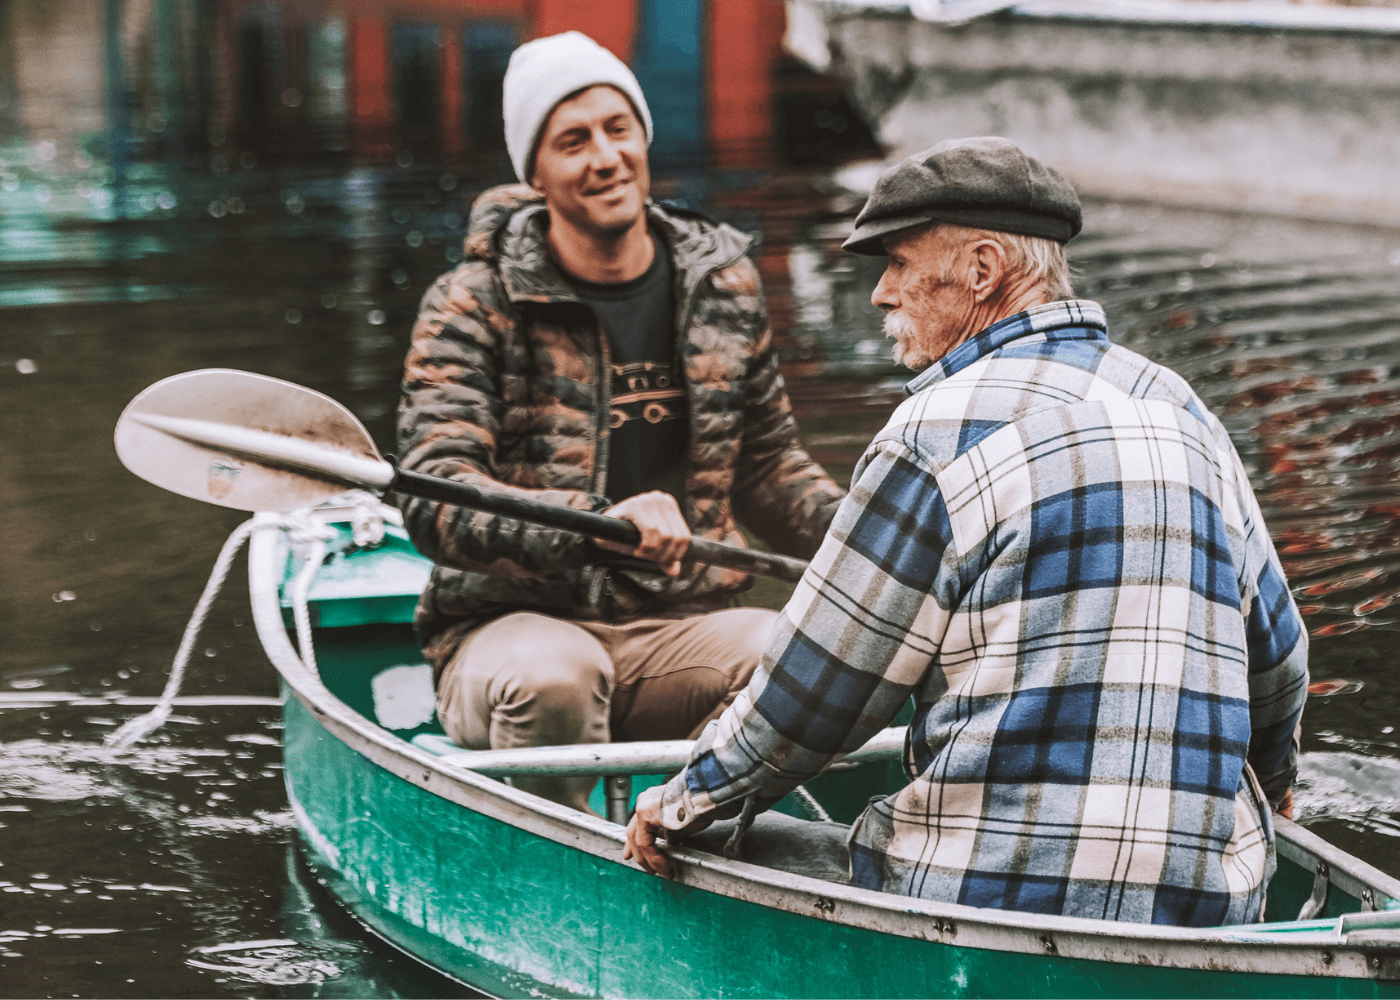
(588, 523)
(256, 443)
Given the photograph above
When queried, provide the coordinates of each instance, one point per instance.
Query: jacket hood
(489, 215)
(507, 227)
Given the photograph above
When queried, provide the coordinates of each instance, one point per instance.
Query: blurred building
(379, 80)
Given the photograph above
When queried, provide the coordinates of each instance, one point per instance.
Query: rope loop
(303, 531)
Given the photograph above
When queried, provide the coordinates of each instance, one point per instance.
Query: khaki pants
(527, 680)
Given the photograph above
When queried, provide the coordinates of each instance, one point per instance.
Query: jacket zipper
(682, 340)
(602, 442)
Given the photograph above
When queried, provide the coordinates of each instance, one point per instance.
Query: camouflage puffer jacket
(505, 387)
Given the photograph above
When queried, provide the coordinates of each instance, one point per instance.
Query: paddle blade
(246, 441)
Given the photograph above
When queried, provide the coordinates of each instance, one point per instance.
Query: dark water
(169, 871)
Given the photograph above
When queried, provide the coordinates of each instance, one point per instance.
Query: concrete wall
(1291, 118)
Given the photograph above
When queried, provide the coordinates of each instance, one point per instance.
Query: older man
(1054, 548)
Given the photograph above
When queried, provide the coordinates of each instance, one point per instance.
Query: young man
(596, 350)
(1054, 548)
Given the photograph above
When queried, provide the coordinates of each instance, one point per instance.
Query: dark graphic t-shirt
(650, 418)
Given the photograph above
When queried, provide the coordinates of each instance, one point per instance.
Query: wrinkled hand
(1285, 806)
(642, 832)
(665, 535)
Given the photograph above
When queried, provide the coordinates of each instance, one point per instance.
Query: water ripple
(1362, 791)
(280, 962)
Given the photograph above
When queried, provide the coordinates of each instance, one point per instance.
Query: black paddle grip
(550, 515)
(588, 523)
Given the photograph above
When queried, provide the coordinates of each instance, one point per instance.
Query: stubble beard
(617, 228)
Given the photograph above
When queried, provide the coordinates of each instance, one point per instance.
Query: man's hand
(665, 535)
(1285, 805)
(642, 832)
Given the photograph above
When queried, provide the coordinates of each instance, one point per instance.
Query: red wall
(612, 25)
(369, 84)
(453, 140)
(744, 41)
(746, 38)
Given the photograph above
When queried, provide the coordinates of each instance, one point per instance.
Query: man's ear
(989, 266)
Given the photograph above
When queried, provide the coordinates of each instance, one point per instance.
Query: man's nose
(605, 153)
(883, 297)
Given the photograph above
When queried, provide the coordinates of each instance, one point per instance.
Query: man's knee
(529, 680)
(550, 683)
(746, 632)
(574, 684)
(548, 662)
(715, 657)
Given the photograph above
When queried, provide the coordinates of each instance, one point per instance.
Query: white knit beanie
(544, 72)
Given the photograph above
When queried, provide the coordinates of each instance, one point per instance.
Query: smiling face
(591, 164)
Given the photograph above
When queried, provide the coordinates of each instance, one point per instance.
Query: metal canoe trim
(1345, 871)
(1316, 904)
(1212, 949)
(615, 759)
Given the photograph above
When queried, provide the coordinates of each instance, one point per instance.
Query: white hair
(1038, 259)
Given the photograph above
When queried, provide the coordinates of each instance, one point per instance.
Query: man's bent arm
(857, 637)
(449, 422)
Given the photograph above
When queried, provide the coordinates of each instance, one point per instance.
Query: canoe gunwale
(1345, 871)
(1216, 949)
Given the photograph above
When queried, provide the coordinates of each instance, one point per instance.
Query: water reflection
(120, 869)
(1358, 789)
(279, 962)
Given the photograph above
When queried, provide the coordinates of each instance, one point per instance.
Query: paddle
(257, 443)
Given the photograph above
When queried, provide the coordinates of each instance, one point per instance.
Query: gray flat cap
(983, 183)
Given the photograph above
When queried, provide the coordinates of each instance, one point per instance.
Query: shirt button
(680, 813)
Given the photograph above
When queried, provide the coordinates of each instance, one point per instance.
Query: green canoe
(515, 895)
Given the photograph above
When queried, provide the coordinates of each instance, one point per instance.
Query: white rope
(302, 529)
(366, 520)
(301, 589)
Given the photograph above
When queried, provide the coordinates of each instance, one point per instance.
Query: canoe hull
(514, 913)
(518, 896)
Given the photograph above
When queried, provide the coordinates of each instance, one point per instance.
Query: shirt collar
(1078, 318)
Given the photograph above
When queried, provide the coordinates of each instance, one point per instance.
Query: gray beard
(900, 328)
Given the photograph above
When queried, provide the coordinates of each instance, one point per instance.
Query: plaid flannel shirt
(1054, 548)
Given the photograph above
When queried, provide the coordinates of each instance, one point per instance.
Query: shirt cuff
(677, 811)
